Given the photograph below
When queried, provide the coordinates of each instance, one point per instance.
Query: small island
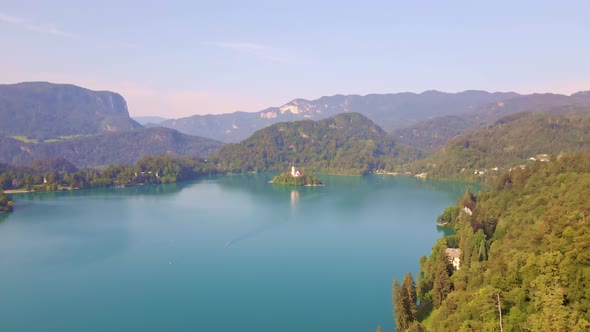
(296, 178)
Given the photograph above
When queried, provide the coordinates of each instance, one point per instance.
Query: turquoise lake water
(227, 253)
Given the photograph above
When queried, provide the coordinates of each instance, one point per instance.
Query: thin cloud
(258, 50)
(48, 29)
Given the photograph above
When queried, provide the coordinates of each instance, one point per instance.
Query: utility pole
(500, 310)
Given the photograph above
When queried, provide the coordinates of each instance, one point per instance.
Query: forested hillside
(42, 110)
(433, 133)
(109, 149)
(347, 144)
(509, 142)
(525, 251)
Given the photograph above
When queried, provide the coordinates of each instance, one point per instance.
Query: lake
(225, 253)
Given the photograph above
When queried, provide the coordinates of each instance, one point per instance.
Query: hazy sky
(178, 58)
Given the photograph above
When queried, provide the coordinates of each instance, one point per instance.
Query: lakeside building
(454, 255)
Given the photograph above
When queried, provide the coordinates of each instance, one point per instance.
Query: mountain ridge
(509, 142)
(390, 111)
(43, 110)
(432, 134)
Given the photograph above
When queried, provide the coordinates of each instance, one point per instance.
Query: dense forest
(524, 262)
(431, 134)
(345, 144)
(60, 174)
(6, 204)
(480, 155)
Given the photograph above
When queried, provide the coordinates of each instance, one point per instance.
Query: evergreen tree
(401, 321)
(409, 295)
(404, 302)
(442, 281)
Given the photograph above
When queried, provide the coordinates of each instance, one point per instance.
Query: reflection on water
(274, 222)
(294, 198)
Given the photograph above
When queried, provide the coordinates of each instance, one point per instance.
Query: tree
(449, 215)
(468, 200)
(409, 296)
(404, 302)
(442, 281)
(398, 307)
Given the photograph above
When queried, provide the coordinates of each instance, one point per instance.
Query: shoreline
(24, 191)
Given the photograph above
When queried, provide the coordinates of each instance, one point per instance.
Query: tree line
(57, 174)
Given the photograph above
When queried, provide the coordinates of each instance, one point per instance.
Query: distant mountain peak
(300, 107)
(581, 93)
(431, 92)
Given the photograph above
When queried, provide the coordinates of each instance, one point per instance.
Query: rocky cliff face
(43, 110)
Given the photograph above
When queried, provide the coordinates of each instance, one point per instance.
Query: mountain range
(389, 111)
(425, 120)
(382, 131)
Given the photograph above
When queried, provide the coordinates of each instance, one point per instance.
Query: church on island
(296, 178)
(295, 172)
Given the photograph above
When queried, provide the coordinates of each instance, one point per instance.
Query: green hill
(433, 133)
(510, 141)
(120, 148)
(42, 110)
(524, 250)
(347, 143)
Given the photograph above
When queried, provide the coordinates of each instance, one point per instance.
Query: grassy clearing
(25, 139)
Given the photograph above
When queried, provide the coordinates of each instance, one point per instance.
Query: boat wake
(252, 233)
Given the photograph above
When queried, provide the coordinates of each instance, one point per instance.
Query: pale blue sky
(179, 58)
